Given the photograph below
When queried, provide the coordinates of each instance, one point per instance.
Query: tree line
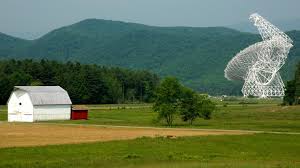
(292, 91)
(86, 84)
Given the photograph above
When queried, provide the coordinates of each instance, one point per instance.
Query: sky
(37, 17)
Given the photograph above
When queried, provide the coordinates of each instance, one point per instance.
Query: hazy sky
(41, 16)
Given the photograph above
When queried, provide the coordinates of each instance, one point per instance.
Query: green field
(265, 117)
(259, 150)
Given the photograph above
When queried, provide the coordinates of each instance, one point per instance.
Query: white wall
(52, 112)
(20, 107)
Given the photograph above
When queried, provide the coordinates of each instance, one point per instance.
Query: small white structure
(38, 103)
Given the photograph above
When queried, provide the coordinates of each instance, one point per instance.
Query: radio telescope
(258, 65)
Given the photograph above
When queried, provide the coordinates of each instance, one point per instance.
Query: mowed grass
(263, 117)
(143, 116)
(258, 150)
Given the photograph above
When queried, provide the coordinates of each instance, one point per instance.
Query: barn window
(20, 104)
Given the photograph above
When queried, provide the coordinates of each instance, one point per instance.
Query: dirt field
(18, 134)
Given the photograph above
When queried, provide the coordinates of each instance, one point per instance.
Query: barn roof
(44, 95)
(79, 107)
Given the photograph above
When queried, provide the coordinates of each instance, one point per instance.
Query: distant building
(38, 103)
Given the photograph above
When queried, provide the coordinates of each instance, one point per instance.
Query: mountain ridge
(285, 25)
(197, 56)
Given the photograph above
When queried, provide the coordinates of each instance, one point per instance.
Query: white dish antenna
(258, 65)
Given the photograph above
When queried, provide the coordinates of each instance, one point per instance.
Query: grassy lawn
(259, 150)
(266, 117)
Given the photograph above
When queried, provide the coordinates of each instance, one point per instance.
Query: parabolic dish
(258, 64)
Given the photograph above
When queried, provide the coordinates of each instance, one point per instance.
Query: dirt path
(19, 134)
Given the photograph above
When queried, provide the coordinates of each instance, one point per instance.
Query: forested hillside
(197, 56)
(86, 84)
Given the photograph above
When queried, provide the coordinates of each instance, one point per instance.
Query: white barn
(38, 103)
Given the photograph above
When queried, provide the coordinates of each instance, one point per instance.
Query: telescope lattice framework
(259, 64)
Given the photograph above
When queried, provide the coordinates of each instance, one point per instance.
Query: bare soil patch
(21, 134)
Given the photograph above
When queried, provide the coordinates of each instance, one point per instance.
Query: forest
(86, 84)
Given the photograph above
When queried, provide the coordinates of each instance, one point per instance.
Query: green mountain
(197, 56)
(11, 47)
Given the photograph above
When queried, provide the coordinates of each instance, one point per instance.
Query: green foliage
(206, 107)
(292, 91)
(168, 95)
(289, 97)
(86, 84)
(193, 105)
(172, 97)
(190, 107)
(297, 85)
(196, 56)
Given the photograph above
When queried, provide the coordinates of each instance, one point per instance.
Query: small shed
(38, 103)
(79, 112)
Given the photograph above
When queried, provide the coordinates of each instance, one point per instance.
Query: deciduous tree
(168, 96)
